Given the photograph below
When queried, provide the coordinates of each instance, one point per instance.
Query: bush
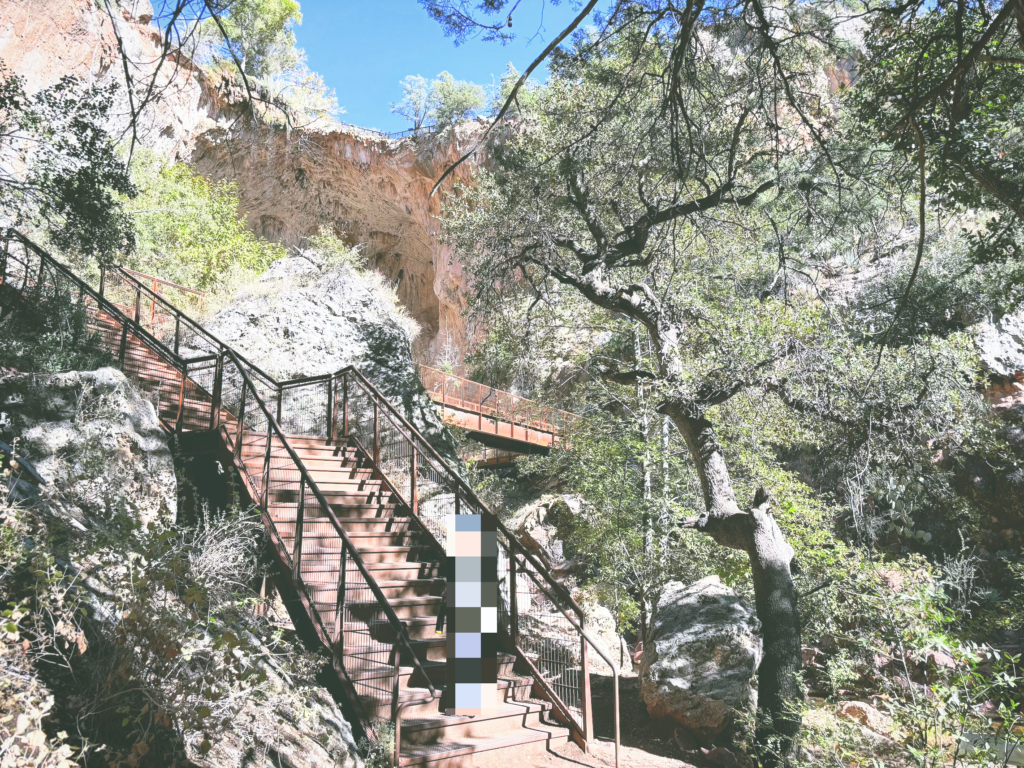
(190, 230)
(48, 334)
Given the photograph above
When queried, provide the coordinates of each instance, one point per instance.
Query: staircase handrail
(424, 446)
(199, 327)
(304, 475)
(518, 401)
(161, 281)
(83, 286)
(241, 364)
(470, 494)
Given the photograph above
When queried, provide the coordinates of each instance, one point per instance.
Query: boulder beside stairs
(698, 666)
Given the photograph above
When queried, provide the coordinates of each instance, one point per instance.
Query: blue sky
(363, 48)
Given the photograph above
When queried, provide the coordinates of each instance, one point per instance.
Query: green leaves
(66, 177)
(190, 230)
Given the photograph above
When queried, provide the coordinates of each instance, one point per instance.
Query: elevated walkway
(355, 502)
(495, 418)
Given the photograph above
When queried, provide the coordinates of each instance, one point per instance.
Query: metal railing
(537, 614)
(223, 391)
(202, 384)
(458, 393)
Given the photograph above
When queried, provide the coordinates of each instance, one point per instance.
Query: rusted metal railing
(536, 422)
(206, 385)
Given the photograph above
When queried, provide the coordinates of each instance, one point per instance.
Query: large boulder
(1001, 345)
(309, 317)
(95, 441)
(703, 651)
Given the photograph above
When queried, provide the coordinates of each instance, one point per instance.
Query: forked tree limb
(515, 90)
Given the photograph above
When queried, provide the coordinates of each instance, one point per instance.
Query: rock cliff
(307, 317)
(45, 40)
(371, 190)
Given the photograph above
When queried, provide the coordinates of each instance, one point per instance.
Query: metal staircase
(355, 502)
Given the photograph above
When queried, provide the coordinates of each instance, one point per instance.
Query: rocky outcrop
(370, 191)
(544, 526)
(306, 317)
(698, 664)
(142, 612)
(45, 40)
(1001, 345)
(296, 726)
(95, 441)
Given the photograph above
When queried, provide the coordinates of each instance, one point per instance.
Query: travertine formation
(370, 190)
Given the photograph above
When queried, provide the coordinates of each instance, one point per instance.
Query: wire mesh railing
(536, 613)
(203, 384)
(458, 393)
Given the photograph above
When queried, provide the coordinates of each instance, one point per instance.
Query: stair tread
(504, 709)
(473, 744)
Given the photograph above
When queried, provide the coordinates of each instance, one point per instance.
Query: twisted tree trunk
(755, 532)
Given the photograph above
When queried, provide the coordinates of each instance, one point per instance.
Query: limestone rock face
(704, 651)
(1001, 345)
(96, 442)
(370, 191)
(308, 318)
(298, 726)
(44, 40)
(543, 526)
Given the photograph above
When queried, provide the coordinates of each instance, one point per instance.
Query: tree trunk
(756, 533)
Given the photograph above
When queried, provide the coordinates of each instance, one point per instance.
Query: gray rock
(308, 318)
(1001, 344)
(543, 526)
(297, 724)
(138, 10)
(96, 442)
(703, 652)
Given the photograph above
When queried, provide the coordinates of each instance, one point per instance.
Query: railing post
(297, 538)
(513, 598)
(280, 399)
(376, 433)
(218, 381)
(339, 604)
(413, 494)
(330, 408)
(177, 332)
(585, 703)
(152, 305)
(138, 304)
(344, 423)
(181, 398)
(122, 349)
(266, 468)
(241, 423)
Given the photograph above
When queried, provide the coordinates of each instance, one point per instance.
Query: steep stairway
(355, 502)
